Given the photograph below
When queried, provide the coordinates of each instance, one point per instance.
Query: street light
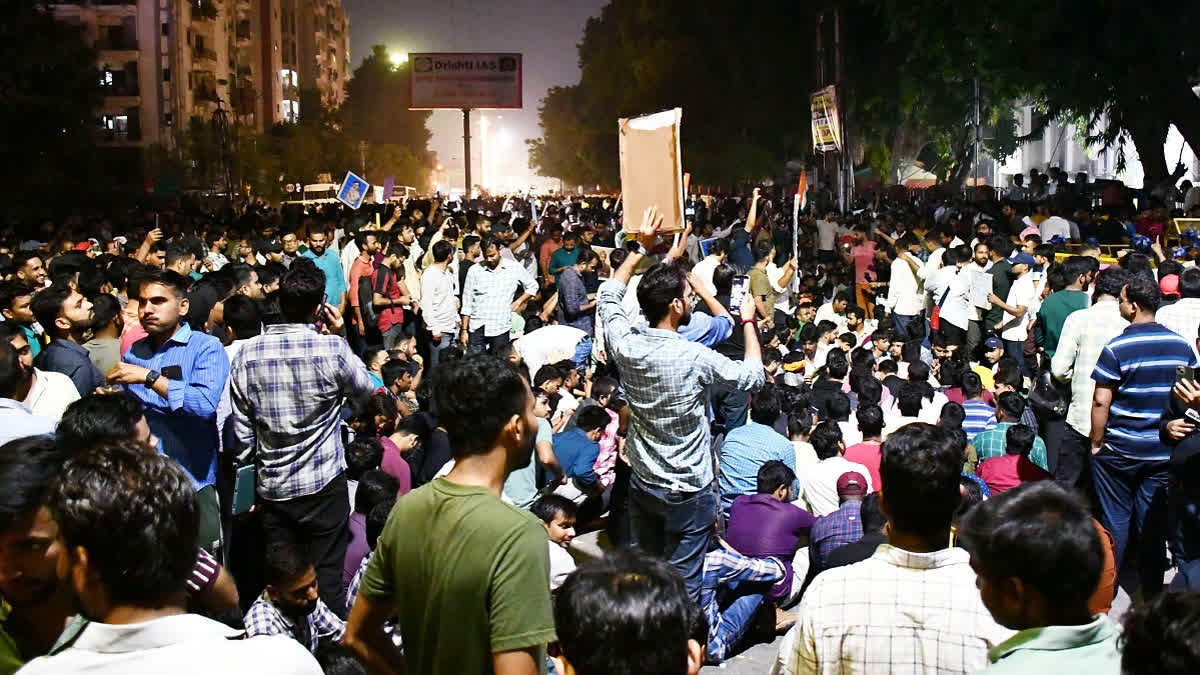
(398, 58)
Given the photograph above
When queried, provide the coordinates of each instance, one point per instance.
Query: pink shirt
(606, 461)
(395, 466)
(864, 261)
(868, 454)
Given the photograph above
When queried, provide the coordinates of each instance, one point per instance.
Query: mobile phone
(1192, 415)
(1184, 373)
(737, 294)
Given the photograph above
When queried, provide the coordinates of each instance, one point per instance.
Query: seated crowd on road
(532, 435)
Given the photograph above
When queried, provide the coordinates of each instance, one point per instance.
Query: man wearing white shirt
(904, 299)
(835, 311)
(718, 251)
(980, 263)
(827, 231)
(1056, 226)
(819, 488)
(1183, 316)
(948, 288)
(439, 300)
(1019, 308)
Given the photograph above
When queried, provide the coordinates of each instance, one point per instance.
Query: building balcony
(291, 92)
(205, 94)
(201, 54)
(243, 100)
(242, 32)
(203, 10)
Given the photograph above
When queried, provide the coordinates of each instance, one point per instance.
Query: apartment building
(166, 62)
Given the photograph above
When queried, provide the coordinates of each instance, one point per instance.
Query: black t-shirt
(734, 347)
(855, 552)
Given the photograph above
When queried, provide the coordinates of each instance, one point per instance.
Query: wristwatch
(151, 378)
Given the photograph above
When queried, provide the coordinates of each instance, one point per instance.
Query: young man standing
(1018, 307)
(487, 301)
(1052, 315)
(439, 301)
(362, 267)
(287, 387)
(673, 505)
(46, 393)
(1134, 376)
(465, 573)
(16, 302)
(327, 261)
(905, 300)
(390, 295)
(66, 315)
(179, 375)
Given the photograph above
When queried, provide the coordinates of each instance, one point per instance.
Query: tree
(51, 89)
(376, 111)
(1126, 68)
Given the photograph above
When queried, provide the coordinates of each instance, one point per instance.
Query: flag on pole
(802, 189)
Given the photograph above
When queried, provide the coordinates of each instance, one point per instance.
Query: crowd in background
(927, 433)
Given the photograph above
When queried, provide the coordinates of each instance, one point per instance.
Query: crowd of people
(924, 435)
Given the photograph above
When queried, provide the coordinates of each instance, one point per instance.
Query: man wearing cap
(1019, 307)
(843, 526)
(1183, 317)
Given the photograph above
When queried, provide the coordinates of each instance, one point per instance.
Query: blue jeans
(1015, 349)
(435, 349)
(583, 350)
(1183, 516)
(496, 345)
(674, 525)
(900, 324)
(1133, 498)
(739, 602)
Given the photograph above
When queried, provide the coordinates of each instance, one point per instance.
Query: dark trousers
(730, 407)
(1183, 518)
(974, 339)
(1132, 494)
(901, 325)
(1072, 469)
(1015, 349)
(620, 530)
(318, 524)
(674, 525)
(496, 345)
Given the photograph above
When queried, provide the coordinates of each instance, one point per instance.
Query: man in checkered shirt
(673, 501)
(487, 300)
(912, 607)
(287, 387)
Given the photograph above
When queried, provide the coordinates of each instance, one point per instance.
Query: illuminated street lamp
(398, 58)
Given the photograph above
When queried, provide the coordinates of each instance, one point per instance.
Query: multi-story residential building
(166, 62)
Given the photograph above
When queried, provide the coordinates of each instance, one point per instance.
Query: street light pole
(467, 148)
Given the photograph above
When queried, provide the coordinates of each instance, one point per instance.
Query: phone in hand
(1184, 373)
(737, 294)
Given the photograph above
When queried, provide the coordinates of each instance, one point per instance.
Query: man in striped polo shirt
(1134, 376)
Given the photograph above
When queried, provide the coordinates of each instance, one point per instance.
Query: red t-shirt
(1008, 471)
(868, 454)
(388, 316)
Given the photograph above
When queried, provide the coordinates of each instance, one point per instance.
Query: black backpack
(366, 294)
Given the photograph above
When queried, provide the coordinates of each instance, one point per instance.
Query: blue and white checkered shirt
(287, 387)
(665, 379)
(264, 618)
(721, 569)
(488, 295)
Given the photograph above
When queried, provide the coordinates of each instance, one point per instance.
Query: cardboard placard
(652, 168)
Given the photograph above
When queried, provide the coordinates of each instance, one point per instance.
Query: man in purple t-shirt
(767, 524)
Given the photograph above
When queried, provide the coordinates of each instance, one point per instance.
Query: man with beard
(290, 604)
(672, 494)
(46, 394)
(487, 300)
(464, 572)
(178, 374)
(327, 261)
(66, 315)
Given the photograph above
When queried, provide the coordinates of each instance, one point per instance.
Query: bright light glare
(503, 138)
(398, 57)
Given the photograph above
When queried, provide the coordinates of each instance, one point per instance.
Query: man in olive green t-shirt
(464, 573)
(763, 293)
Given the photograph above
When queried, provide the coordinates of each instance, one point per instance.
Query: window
(166, 74)
(166, 29)
(106, 78)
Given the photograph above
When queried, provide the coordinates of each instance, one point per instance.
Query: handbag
(1046, 399)
(935, 318)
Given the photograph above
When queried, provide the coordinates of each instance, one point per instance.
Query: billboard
(826, 129)
(460, 80)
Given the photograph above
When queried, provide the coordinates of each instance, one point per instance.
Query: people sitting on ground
(558, 515)
(820, 489)
(290, 604)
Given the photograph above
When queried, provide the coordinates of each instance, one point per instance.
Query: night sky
(545, 31)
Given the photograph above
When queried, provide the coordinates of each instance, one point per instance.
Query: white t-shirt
(704, 272)
(820, 485)
(1055, 226)
(537, 347)
(1022, 294)
(956, 309)
(826, 231)
(561, 565)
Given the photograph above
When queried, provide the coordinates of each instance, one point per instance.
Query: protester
(473, 595)
(290, 604)
(558, 515)
(1038, 559)
(487, 301)
(66, 315)
(888, 602)
(46, 393)
(750, 446)
(127, 522)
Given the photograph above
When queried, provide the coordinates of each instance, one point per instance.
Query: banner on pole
(826, 127)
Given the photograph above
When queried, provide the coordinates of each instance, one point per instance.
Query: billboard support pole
(467, 148)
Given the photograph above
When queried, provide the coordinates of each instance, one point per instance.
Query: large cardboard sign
(651, 168)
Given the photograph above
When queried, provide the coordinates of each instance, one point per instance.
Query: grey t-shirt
(521, 485)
